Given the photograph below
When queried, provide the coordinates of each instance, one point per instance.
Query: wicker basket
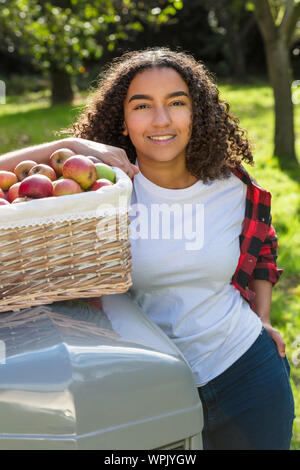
(73, 254)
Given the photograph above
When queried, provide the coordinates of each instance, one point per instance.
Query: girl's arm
(113, 156)
(265, 275)
(37, 153)
(262, 307)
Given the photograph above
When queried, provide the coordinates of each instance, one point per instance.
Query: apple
(22, 199)
(80, 169)
(99, 183)
(57, 180)
(105, 171)
(65, 186)
(36, 186)
(4, 202)
(58, 158)
(2, 194)
(22, 169)
(43, 169)
(7, 179)
(13, 191)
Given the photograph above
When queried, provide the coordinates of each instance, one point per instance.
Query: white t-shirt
(185, 249)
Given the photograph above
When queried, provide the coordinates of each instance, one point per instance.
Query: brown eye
(178, 103)
(141, 106)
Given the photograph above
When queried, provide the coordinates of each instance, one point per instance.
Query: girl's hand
(113, 156)
(277, 338)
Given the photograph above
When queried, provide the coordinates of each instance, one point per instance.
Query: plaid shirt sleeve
(266, 265)
(258, 240)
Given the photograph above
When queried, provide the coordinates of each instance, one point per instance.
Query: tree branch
(288, 16)
(293, 22)
(265, 19)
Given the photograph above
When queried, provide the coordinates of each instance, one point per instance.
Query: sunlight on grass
(31, 120)
(23, 104)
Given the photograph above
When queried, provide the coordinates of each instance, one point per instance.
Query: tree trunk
(280, 76)
(235, 55)
(240, 69)
(61, 87)
(277, 39)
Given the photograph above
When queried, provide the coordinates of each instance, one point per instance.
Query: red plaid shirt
(258, 240)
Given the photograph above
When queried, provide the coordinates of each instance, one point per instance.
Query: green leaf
(170, 10)
(136, 26)
(5, 12)
(249, 6)
(90, 11)
(178, 5)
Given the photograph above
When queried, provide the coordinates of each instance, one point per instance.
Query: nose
(161, 117)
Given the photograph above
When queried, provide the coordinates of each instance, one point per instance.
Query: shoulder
(258, 199)
(244, 175)
(247, 178)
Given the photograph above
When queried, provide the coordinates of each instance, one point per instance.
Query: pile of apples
(67, 173)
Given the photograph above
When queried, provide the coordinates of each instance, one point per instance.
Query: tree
(186, 28)
(54, 36)
(58, 36)
(277, 20)
(222, 33)
(234, 20)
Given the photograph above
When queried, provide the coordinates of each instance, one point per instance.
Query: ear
(125, 130)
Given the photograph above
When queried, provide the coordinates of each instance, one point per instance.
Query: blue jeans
(250, 406)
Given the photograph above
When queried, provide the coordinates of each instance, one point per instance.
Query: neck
(169, 175)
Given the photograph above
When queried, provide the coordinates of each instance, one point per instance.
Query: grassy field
(30, 120)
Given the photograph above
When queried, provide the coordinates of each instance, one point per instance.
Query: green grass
(30, 120)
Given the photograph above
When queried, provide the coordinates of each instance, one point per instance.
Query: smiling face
(158, 115)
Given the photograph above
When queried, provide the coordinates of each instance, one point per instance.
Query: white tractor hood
(76, 377)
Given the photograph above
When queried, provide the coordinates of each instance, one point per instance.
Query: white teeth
(162, 137)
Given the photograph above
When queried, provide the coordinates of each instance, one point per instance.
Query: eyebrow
(148, 97)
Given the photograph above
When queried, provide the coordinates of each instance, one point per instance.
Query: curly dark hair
(217, 142)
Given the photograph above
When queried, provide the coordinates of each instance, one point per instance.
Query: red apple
(22, 199)
(2, 194)
(23, 168)
(7, 179)
(13, 191)
(43, 169)
(65, 186)
(80, 169)
(4, 202)
(58, 158)
(99, 183)
(57, 180)
(36, 186)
